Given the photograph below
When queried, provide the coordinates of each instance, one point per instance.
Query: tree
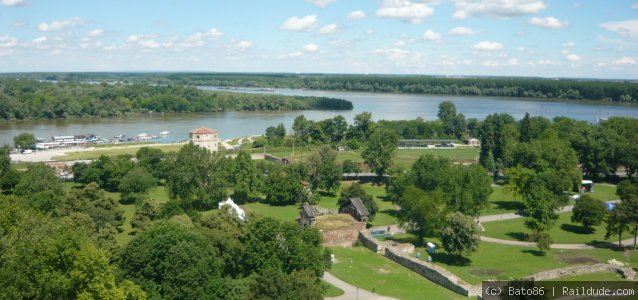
(276, 134)
(5, 160)
(136, 180)
(275, 284)
(151, 159)
(24, 140)
(378, 152)
(525, 129)
(300, 128)
(356, 190)
(468, 189)
(323, 169)
(92, 201)
(589, 211)
(348, 166)
(543, 241)
(148, 212)
(626, 189)
(617, 222)
(245, 178)
(461, 235)
(199, 178)
(423, 212)
(283, 188)
(173, 262)
(363, 125)
(447, 110)
(39, 178)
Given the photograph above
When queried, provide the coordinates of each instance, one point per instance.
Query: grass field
(365, 269)
(501, 202)
(503, 262)
(93, 154)
(598, 276)
(564, 232)
(331, 290)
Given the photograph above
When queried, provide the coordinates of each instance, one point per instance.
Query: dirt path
(351, 292)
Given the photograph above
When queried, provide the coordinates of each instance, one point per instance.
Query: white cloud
(549, 22)
(626, 60)
(496, 8)
(512, 61)
(244, 45)
(635, 5)
(293, 54)
(306, 23)
(406, 10)
(61, 25)
(462, 31)
(573, 57)
(311, 48)
(626, 28)
(13, 2)
(569, 45)
(213, 33)
(485, 45)
(564, 52)
(398, 55)
(321, 3)
(329, 29)
(520, 49)
(431, 35)
(356, 15)
(95, 33)
(7, 41)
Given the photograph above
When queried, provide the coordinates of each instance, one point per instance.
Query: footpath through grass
(363, 268)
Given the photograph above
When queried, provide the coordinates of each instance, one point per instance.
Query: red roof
(203, 130)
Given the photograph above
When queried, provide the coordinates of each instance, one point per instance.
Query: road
(501, 217)
(351, 292)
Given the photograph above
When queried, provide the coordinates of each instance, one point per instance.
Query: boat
(166, 132)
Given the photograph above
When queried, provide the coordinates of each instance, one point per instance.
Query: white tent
(238, 210)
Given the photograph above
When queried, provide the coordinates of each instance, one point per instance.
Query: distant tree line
(31, 99)
(615, 91)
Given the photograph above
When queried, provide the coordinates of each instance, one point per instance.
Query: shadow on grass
(391, 212)
(577, 229)
(327, 194)
(534, 252)
(450, 259)
(519, 236)
(404, 238)
(509, 205)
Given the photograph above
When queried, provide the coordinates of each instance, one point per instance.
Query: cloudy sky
(567, 38)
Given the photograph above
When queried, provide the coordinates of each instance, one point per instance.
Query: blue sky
(568, 38)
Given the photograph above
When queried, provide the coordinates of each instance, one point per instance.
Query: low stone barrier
(434, 273)
(368, 241)
(625, 272)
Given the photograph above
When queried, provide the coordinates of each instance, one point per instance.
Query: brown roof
(360, 207)
(203, 130)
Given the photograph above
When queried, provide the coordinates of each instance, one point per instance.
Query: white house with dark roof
(204, 137)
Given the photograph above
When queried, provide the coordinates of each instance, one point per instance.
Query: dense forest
(571, 89)
(31, 99)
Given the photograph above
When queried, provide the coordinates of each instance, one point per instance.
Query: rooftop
(335, 221)
(203, 130)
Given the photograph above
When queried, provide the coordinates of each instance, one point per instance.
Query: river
(381, 105)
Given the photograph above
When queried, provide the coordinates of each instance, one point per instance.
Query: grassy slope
(564, 232)
(93, 154)
(363, 268)
(331, 290)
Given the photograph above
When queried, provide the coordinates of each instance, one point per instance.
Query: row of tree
(617, 91)
(30, 99)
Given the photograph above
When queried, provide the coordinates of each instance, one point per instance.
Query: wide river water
(381, 105)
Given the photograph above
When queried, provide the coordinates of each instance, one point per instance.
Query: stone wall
(625, 272)
(434, 273)
(342, 237)
(368, 241)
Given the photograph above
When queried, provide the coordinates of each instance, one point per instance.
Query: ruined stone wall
(434, 273)
(342, 237)
(368, 241)
(625, 272)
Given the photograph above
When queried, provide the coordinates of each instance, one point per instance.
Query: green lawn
(285, 213)
(93, 154)
(331, 290)
(502, 201)
(503, 262)
(365, 269)
(564, 232)
(404, 158)
(604, 192)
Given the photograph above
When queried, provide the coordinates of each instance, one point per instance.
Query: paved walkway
(351, 292)
(501, 217)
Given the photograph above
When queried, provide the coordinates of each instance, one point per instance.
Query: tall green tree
(525, 129)
(39, 178)
(245, 178)
(618, 222)
(378, 152)
(363, 126)
(461, 235)
(423, 212)
(275, 284)
(323, 170)
(356, 190)
(589, 211)
(24, 140)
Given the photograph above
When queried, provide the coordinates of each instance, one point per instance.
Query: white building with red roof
(205, 137)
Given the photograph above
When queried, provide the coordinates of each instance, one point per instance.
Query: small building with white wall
(205, 137)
